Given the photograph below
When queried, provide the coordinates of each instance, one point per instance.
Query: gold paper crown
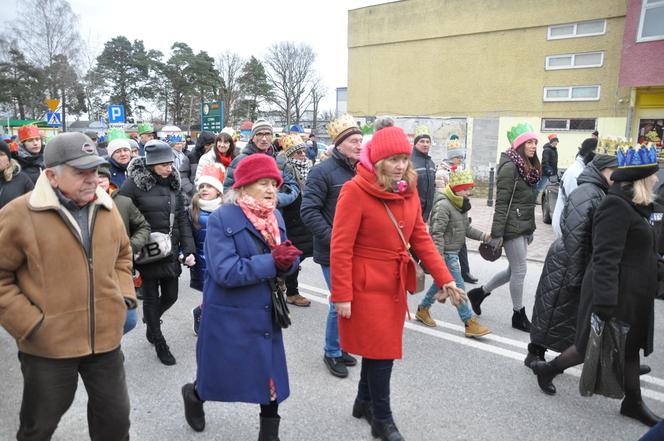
(421, 130)
(340, 125)
(288, 142)
(461, 177)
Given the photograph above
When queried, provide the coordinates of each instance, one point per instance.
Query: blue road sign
(54, 119)
(116, 114)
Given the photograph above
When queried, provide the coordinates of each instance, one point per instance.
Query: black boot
(269, 430)
(535, 353)
(545, 372)
(520, 320)
(476, 297)
(386, 430)
(163, 352)
(639, 411)
(469, 278)
(362, 409)
(193, 408)
(644, 369)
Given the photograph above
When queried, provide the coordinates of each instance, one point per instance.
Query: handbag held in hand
(604, 363)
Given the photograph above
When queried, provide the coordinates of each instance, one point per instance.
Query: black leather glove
(605, 312)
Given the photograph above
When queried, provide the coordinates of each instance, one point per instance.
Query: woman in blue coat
(240, 352)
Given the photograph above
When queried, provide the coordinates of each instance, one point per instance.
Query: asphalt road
(447, 387)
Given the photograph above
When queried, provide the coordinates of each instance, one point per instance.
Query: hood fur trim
(145, 180)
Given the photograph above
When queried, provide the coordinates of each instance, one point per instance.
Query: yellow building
(554, 64)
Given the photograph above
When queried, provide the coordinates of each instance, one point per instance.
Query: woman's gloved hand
(495, 242)
(284, 255)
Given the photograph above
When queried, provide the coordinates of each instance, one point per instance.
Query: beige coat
(55, 300)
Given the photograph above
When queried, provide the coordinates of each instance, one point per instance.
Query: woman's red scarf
(261, 215)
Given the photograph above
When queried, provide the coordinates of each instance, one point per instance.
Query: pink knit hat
(255, 167)
(386, 142)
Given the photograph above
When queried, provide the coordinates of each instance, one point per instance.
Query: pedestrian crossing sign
(54, 119)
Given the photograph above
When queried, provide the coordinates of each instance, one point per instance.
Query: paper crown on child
(28, 132)
(635, 163)
(116, 133)
(461, 180)
(145, 128)
(292, 143)
(213, 176)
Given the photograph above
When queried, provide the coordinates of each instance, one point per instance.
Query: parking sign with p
(116, 114)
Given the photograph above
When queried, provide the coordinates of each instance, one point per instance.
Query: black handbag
(604, 363)
(280, 311)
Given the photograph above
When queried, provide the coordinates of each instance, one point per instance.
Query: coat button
(267, 307)
(401, 224)
(266, 335)
(229, 231)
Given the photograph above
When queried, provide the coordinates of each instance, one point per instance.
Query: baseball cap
(73, 149)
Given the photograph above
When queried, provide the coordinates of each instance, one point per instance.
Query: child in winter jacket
(449, 227)
(207, 199)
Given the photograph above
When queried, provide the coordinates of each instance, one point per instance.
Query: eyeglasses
(263, 135)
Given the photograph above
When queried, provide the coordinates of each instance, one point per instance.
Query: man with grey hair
(65, 287)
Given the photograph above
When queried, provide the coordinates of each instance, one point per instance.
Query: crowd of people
(375, 213)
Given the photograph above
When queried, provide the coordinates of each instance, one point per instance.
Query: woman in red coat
(372, 270)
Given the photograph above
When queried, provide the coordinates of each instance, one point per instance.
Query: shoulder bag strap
(171, 217)
(396, 225)
(516, 180)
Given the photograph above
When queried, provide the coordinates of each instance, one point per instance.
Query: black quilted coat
(557, 297)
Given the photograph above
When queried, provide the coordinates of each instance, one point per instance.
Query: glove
(190, 260)
(284, 255)
(495, 242)
(605, 312)
(530, 238)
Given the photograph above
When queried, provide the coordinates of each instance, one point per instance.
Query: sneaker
(298, 300)
(475, 329)
(348, 359)
(422, 315)
(196, 312)
(164, 353)
(336, 366)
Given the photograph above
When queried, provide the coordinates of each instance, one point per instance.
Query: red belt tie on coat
(403, 274)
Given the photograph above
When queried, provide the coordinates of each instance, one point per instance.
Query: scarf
(460, 203)
(262, 217)
(532, 177)
(225, 160)
(210, 205)
(302, 167)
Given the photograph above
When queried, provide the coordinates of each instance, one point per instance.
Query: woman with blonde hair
(621, 280)
(13, 182)
(377, 215)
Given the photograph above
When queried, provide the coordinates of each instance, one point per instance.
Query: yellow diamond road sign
(53, 104)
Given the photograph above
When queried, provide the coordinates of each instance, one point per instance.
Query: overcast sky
(245, 27)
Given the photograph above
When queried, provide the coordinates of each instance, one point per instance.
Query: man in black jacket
(425, 168)
(318, 207)
(549, 161)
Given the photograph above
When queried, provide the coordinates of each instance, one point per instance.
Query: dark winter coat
(426, 180)
(31, 165)
(152, 196)
(319, 201)
(623, 269)
(239, 348)
(558, 291)
(137, 227)
(199, 270)
(298, 232)
(289, 190)
(186, 183)
(549, 160)
(19, 184)
(204, 138)
(118, 174)
(520, 220)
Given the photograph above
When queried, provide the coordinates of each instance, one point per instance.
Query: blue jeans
(542, 183)
(452, 262)
(654, 434)
(130, 321)
(332, 346)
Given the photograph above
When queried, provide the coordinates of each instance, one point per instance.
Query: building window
(570, 124)
(572, 93)
(651, 25)
(575, 61)
(581, 29)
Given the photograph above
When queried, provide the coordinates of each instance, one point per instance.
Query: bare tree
(318, 91)
(290, 72)
(229, 64)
